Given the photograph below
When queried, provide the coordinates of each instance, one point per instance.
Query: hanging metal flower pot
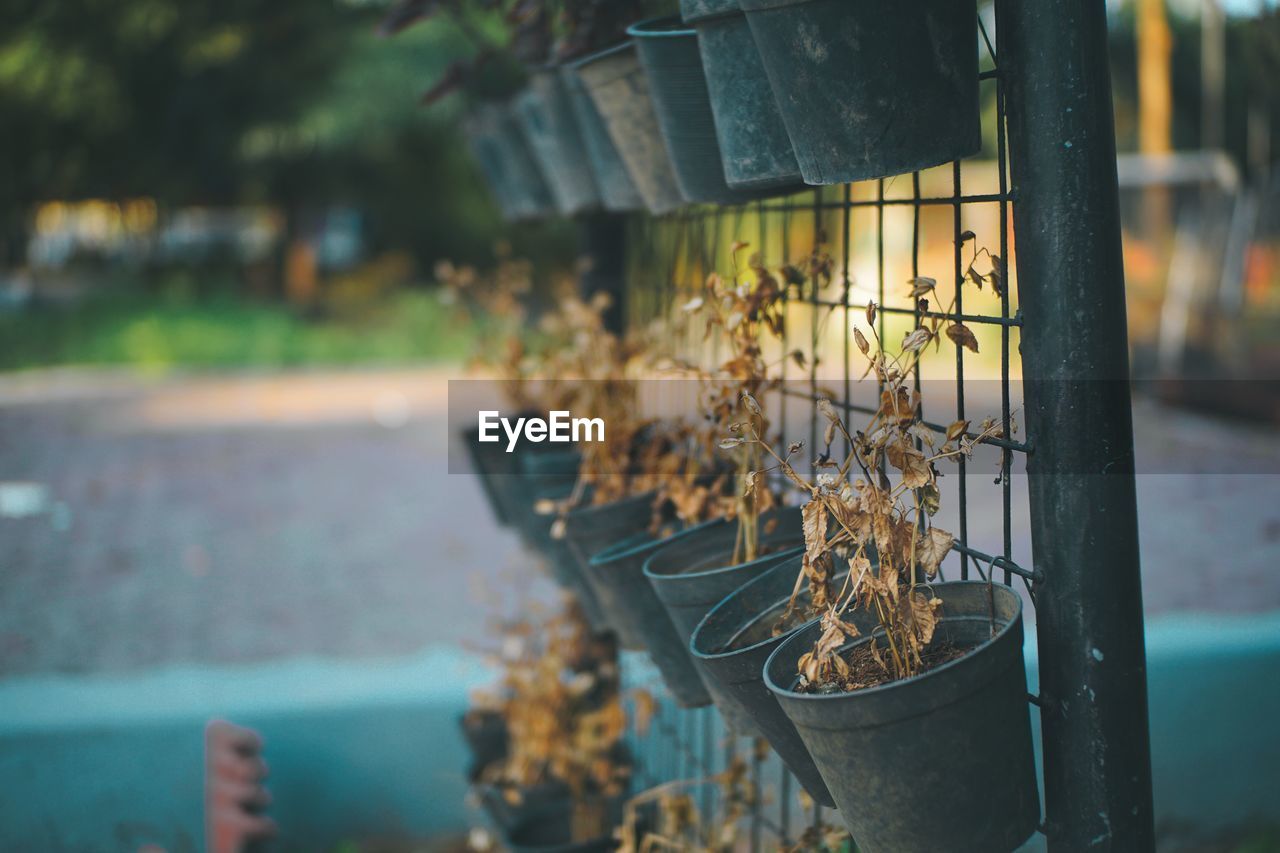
(731, 645)
(695, 573)
(489, 462)
(869, 89)
(505, 161)
(544, 475)
(548, 121)
(511, 808)
(548, 477)
(591, 530)
(941, 761)
(640, 618)
(486, 736)
(555, 832)
(754, 144)
(669, 52)
(620, 91)
(617, 192)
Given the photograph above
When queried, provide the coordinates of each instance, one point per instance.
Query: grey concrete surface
(247, 517)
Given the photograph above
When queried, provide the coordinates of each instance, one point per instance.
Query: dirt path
(240, 518)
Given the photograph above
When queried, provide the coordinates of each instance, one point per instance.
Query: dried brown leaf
(814, 523)
(962, 335)
(922, 285)
(931, 548)
(916, 339)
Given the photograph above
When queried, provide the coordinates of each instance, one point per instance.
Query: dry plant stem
(874, 509)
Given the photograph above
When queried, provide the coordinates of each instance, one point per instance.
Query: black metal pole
(603, 242)
(1097, 753)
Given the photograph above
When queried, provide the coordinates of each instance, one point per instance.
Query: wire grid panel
(879, 235)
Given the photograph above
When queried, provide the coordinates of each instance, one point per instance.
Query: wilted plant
(874, 509)
(678, 825)
(747, 310)
(565, 720)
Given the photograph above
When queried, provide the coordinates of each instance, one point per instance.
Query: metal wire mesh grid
(879, 235)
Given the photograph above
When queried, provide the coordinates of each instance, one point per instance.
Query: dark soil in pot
(754, 145)
(617, 192)
(957, 737)
(548, 121)
(732, 643)
(630, 602)
(870, 89)
(620, 91)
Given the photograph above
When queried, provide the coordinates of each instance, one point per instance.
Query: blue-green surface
(371, 747)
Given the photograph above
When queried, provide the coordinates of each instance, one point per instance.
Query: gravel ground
(238, 518)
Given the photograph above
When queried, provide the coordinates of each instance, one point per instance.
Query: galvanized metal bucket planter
(546, 837)
(545, 474)
(630, 602)
(731, 645)
(754, 144)
(486, 736)
(869, 89)
(696, 572)
(617, 192)
(507, 164)
(618, 87)
(479, 130)
(548, 121)
(594, 529)
(550, 475)
(942, 761)
(669, 52)
(554, 833)
(549, 802)
(489, 462)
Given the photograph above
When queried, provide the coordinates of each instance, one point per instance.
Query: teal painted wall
(371, 747)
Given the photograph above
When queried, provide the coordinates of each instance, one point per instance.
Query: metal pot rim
(881, 689)
(648, 28)
(625, 551)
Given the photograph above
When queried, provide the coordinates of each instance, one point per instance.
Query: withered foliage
(570, 360)
(667, 817)
(558, 694)
(495, 302)
(823, 837)
(873, 509)
(746, 310)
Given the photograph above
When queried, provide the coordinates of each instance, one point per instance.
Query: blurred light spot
(23, 500)
(391, 410)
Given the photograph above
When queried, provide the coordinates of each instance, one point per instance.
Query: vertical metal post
(602, 243)
(1097, 756)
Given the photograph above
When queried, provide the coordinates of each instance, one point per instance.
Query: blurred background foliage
(292, 103)
(158, 117)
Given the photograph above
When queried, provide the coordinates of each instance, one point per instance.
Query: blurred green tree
(295, 103)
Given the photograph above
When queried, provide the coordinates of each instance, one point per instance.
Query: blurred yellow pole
(1155, 111)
